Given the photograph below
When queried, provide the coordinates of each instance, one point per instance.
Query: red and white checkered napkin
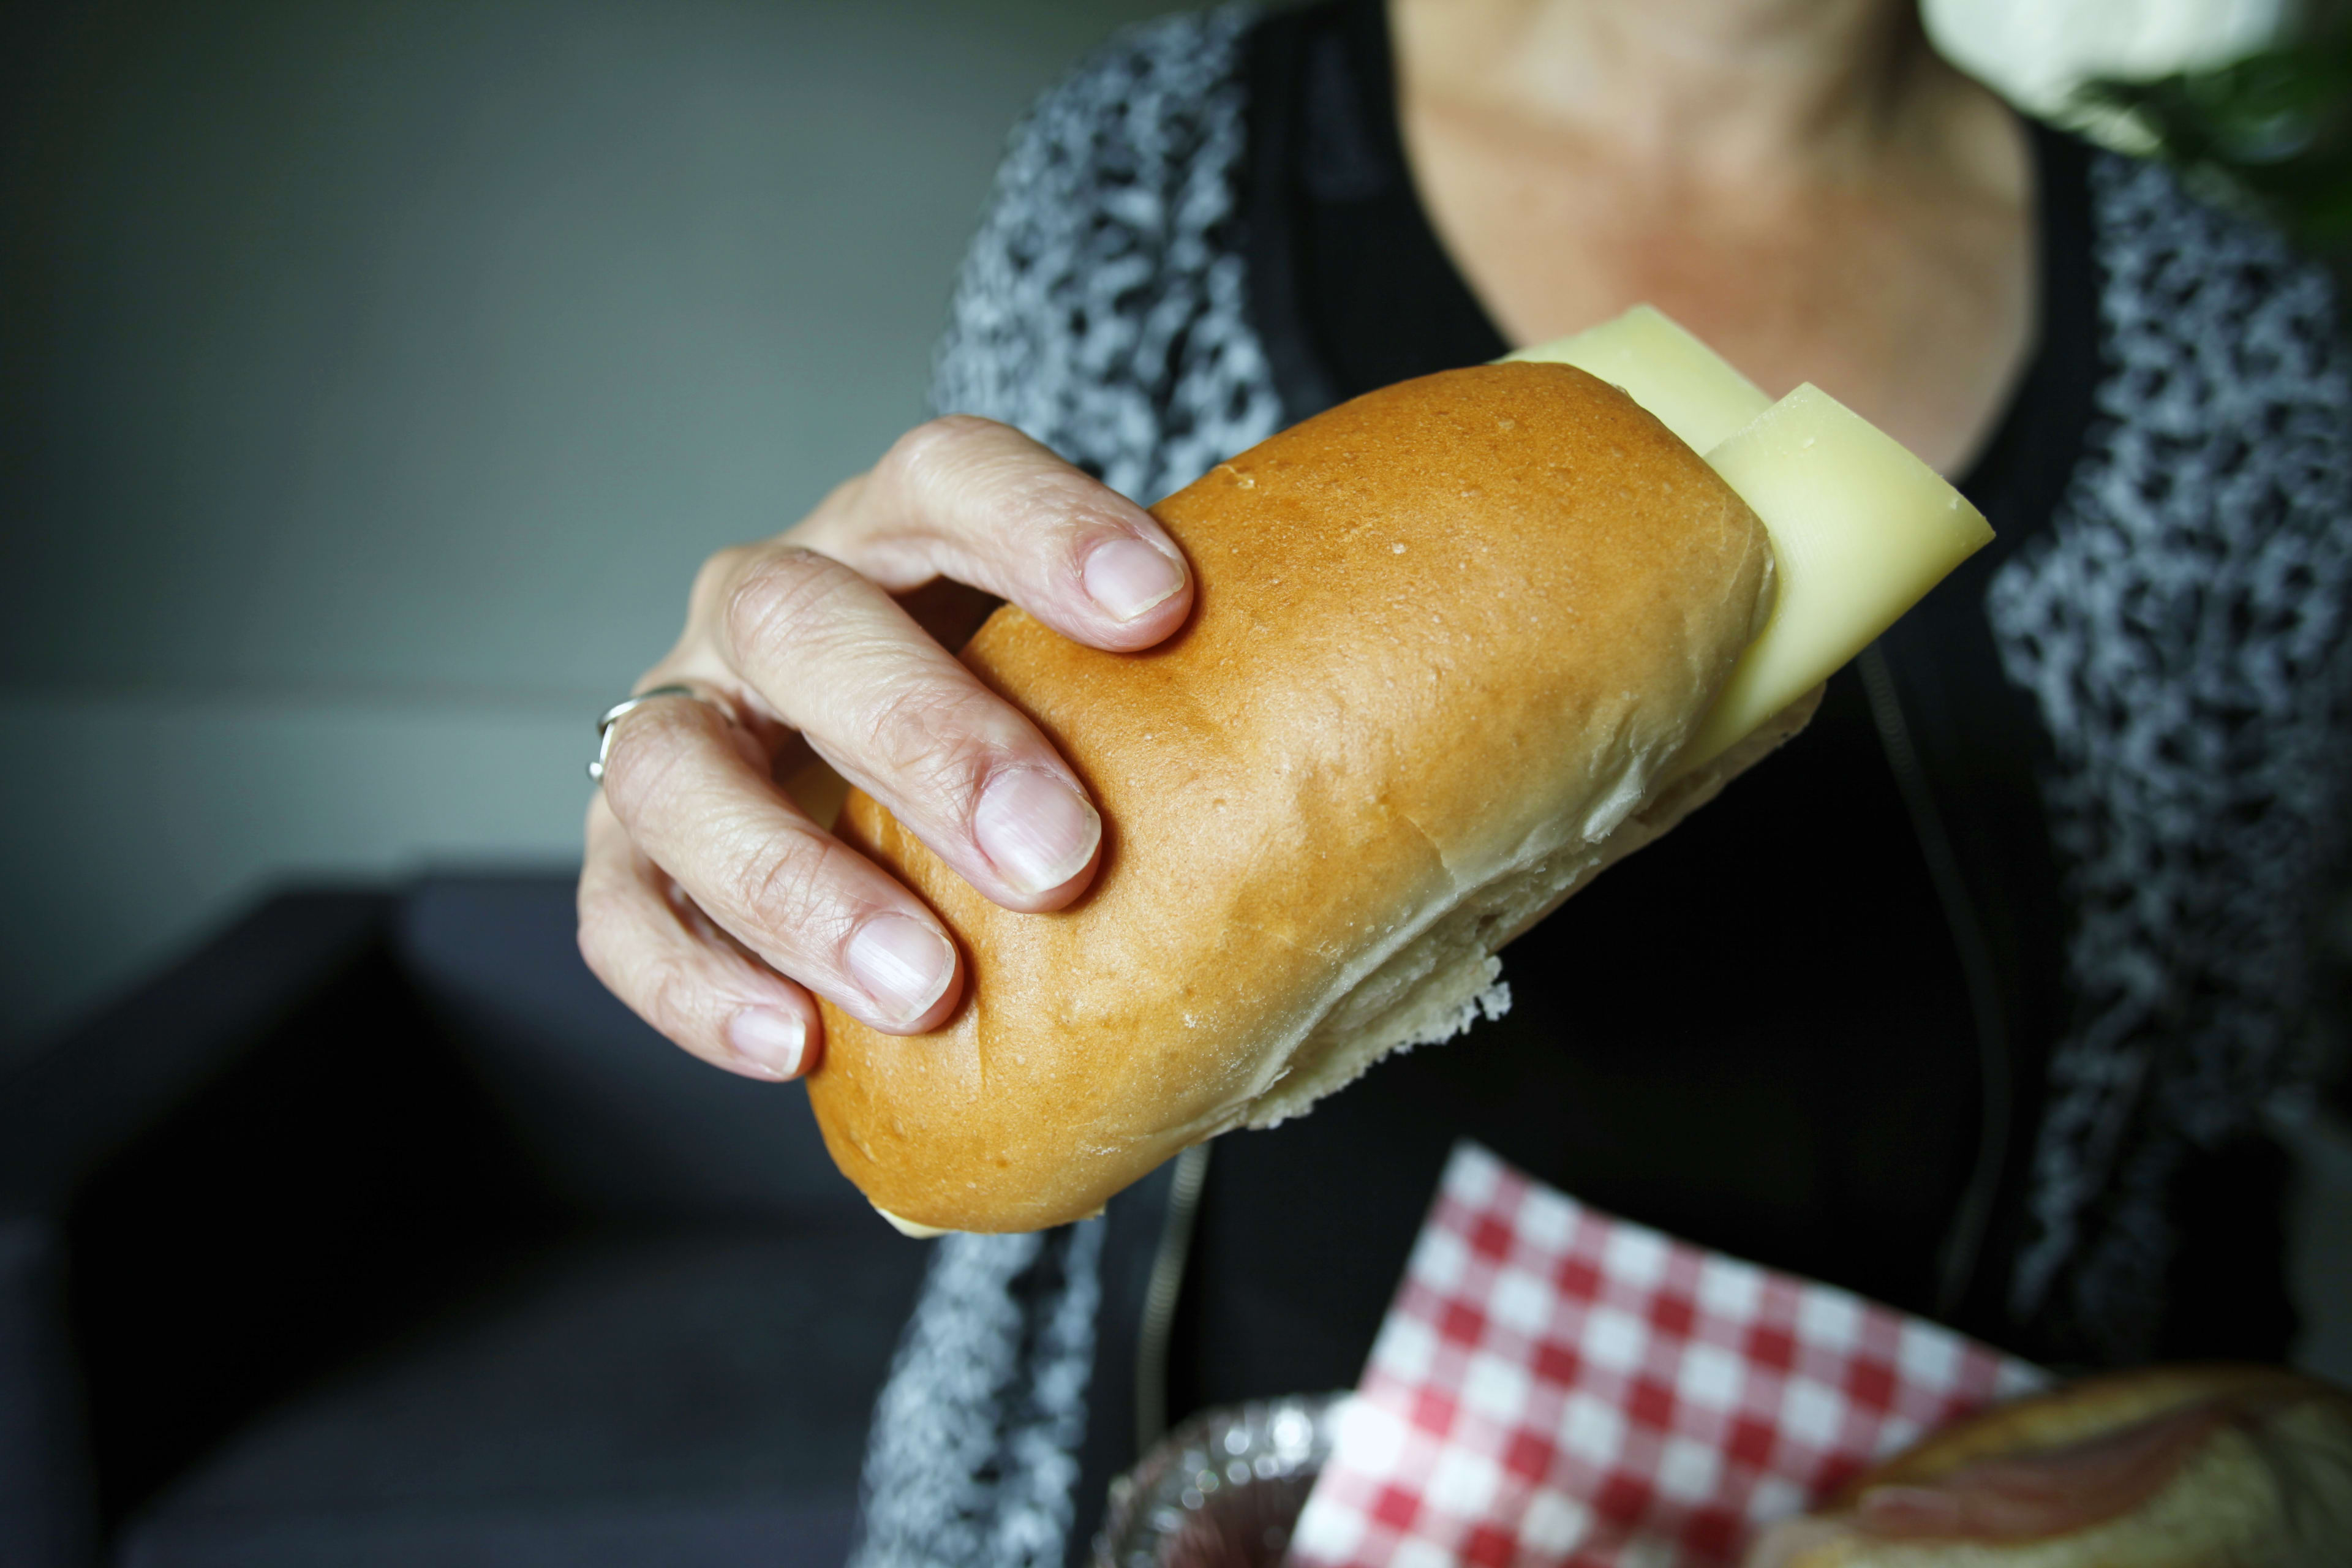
(1555, 1386)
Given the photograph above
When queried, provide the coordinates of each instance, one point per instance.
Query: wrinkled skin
(712, 901)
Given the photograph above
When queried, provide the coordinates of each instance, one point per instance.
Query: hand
(711, 902)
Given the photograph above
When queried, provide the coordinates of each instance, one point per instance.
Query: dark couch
(376, 1233)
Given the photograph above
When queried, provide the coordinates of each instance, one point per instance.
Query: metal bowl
(1223, 1489)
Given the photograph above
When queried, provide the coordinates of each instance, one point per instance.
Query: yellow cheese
(1861, 530)
(1666, 370)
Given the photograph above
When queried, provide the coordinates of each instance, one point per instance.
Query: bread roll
(2186, 1466)
(1448, 639)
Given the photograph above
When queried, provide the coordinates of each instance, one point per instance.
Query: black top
(1804, 1026)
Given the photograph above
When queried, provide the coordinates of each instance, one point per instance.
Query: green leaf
(2276, 128)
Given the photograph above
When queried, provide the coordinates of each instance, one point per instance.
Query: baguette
(1450, 641)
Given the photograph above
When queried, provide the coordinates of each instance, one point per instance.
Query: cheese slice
(1691, 389)
(1861, 530)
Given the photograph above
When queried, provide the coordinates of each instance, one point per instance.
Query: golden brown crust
(2256, 1468)
(2079, 1410)
(1440, 632)
(1681, 795)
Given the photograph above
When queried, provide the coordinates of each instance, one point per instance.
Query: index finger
(969, 498)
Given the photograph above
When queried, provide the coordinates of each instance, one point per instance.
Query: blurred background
(372, 379)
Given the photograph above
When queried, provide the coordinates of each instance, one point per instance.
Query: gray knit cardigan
(2180, 625)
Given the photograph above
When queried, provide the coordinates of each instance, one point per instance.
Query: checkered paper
(1555, 1386)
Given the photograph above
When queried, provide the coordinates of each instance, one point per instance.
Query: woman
(1967, 1001)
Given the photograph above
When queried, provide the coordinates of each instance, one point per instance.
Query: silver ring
(613, 716)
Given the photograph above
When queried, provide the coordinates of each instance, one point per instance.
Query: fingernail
(1035, 829)
(1126, 578)
(902, 964)
(768, 1039)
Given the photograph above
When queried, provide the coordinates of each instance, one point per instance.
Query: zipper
(1159, 1297)
(1961, 1253)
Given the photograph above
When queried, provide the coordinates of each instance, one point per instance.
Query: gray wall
(372, 378)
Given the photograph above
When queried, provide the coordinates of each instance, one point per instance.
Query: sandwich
(2172, 1466)
(1458, 647)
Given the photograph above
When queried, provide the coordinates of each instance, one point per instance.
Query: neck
(1717, 92)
